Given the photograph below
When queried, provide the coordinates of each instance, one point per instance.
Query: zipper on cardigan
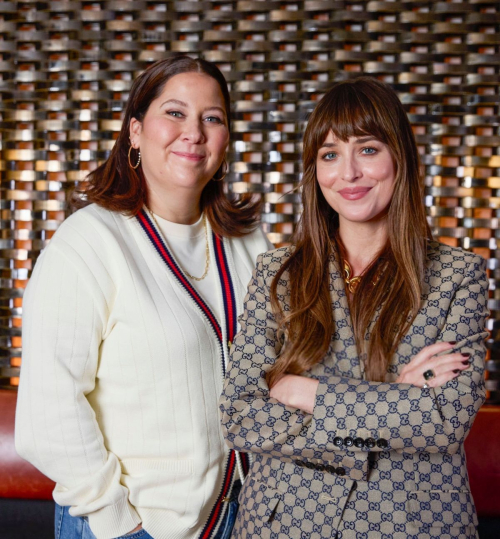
(221, 340)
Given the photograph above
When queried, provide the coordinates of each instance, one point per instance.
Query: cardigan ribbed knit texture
(120, 379)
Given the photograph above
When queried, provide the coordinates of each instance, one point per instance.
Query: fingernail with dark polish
(452, 342)
(465, 362)
(455, 371)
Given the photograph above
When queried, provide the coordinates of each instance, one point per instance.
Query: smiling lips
(354, 193)
(196, 157)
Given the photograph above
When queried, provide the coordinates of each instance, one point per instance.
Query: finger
(443, 368)
(452, 368)
(432, 350)
(434, 364)
(438, 361)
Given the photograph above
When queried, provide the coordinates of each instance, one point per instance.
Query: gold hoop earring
(138, 158)
(226, 170)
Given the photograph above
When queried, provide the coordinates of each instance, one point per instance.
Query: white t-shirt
(187, 243)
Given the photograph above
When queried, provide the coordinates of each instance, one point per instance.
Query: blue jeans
(227, 525)
(68, 527)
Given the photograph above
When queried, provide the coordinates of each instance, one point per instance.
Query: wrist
(304, 395)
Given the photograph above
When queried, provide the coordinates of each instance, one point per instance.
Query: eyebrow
(365, 140)
(182, 104)
(175, 101)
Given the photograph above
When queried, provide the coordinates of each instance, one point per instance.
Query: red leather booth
(18, 478)
(483, 461)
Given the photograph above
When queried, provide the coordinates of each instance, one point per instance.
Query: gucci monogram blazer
(374, 460)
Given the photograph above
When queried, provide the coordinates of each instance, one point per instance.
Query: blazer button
(340, 471)
(348, 441)
(382, 443)
(331, 469)
(338, 442)
(370, 442)
(359, 442)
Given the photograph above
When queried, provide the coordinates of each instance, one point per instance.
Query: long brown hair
(116, 186)
(359, 107)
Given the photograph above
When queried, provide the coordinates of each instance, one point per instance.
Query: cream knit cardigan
(121, 376)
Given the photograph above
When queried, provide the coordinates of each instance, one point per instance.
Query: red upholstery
(483, 461)
(18, 478)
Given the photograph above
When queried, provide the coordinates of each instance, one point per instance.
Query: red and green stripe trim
(165, 255)
(231, 324)
(227, 287)
(217, 510)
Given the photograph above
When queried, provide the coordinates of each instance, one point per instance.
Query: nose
(193, 131)
(350, 170)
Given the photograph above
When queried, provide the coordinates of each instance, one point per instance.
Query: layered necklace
(207, 249)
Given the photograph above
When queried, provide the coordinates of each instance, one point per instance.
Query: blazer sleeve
(406, 417)
(383, 416)
(64, 320)
(252, 421)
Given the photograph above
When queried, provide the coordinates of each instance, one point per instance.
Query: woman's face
(356, 177)
(183, 136)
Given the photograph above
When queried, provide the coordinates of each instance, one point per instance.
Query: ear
(135, 130)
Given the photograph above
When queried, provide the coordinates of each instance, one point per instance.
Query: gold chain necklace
(207, 249)
(351, 282)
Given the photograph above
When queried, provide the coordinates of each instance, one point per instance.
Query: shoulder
(245, 250)
(90, 237)
(254, 242)
(93, 226)
(275, 258)
(81, 251)
(445, 256)
(452, 267)
(270, 262)
(89, 220)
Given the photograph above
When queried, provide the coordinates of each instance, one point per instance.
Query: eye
(329, 156)
(369, 151)
(214, 120)
(175, 113)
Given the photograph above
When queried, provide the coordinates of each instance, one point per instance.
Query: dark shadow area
(26, 519)
(489, 528)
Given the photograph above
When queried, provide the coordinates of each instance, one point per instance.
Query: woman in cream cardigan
(358, 370)
(128, 319)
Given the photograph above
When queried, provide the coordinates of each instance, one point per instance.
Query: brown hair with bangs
(116, 186)
(353, 108)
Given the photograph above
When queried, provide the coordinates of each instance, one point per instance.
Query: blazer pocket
(258, 501)
(435, 508)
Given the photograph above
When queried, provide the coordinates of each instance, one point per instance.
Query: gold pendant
(351, 282)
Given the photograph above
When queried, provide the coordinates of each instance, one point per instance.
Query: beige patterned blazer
(374, 460)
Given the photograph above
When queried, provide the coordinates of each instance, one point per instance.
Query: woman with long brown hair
(128, 319)
(359, 367)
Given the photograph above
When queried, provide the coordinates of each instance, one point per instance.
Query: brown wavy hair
(116, 186)
(353, 108)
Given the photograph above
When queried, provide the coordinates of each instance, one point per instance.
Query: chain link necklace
(207, 249)
(351, 282)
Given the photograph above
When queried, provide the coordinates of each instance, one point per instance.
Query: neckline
(181, 231)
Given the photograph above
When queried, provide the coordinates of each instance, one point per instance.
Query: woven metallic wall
(66, 67)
